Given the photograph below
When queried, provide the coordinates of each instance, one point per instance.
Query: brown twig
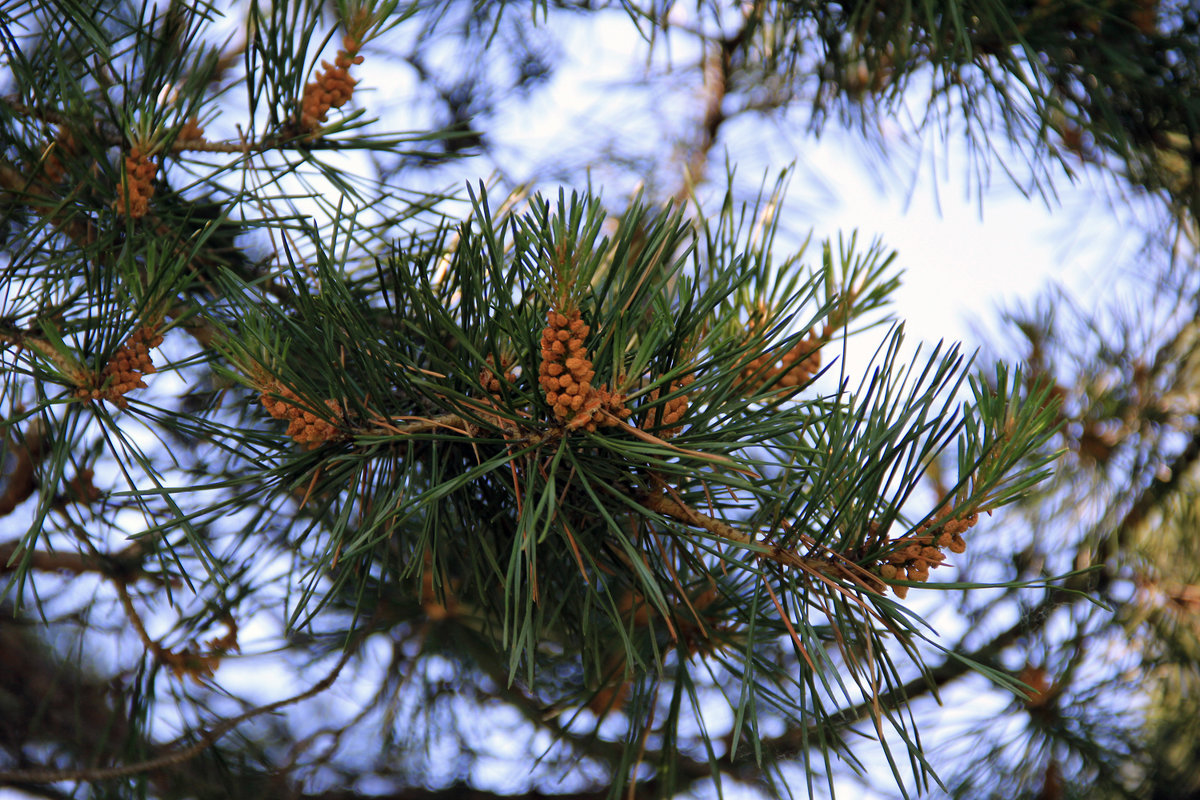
(676, 509)
(114, 568)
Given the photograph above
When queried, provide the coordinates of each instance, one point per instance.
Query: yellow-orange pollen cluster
(566, 376)
(191, 130)
(673, 410)
(788, 370)
(125, 370)
(918, 554)
(137, 184)
(333, 88)
(489, 378)
(303, 425)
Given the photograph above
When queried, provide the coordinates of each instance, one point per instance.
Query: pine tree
(488, 473)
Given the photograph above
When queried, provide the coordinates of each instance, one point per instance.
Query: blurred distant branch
(718, 72)
(176, 752)
(12, 554)
(458, 791)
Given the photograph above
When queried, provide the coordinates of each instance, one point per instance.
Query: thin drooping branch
(458, 791)
(122, 566)
(1036, 618)
(47, 697)
(176, 752)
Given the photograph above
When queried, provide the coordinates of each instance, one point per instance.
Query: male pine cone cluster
(333, 88)
(125, 370)
(672, 411)
(923, 552)
(303, 425)
(788, 371)
(137, 184)
(491, 381)
(566, 373)
(191, 130)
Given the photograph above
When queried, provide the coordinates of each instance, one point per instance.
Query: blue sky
(964, 252)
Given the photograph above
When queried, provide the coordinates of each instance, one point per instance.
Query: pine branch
(108, 136)
(1033, 620)
(835, 566)
(463, 791)
(510, 422)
